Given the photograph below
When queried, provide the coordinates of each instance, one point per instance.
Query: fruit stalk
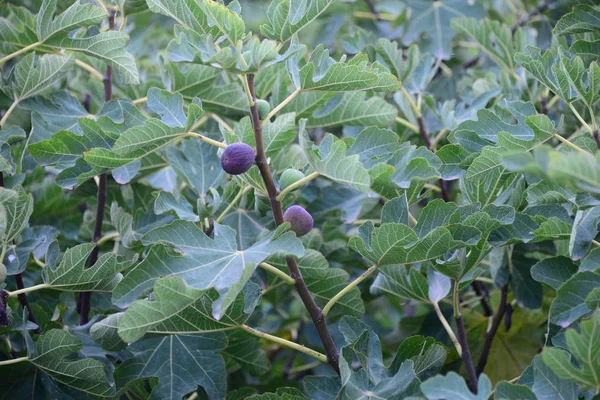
(314, 311)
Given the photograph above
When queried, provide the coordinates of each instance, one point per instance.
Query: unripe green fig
(264, 108)
(3, 273)
(290, 176)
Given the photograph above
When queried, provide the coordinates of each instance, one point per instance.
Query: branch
(296, 185)
(29, 289)
(373, 9)
(85, 297)
(541, 8)
(348, 288)
(480, 291)
(284, 103)
(261, 162)
(21, 286)
(287, 343)
(489, 336)
(462, 339)
(425, 136)
(25, 302)
(19, 52)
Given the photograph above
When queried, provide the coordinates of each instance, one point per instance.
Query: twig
(489, 336)
(284, 103)
(25, 302)
(296, 185)
(277, 272)
(348, 288)
(425, 136)
(27, 290)
(447, 328)
(479, 289)
(294, 271)
(21, 286)
(287, 343)
(290, 362)
(373, 9)
(462, 339)
(13, 361)
(84, 303)
(541, 8)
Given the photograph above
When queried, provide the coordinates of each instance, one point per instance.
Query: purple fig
(302, 222)
(237, 158)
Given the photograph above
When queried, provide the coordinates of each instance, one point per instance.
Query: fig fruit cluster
(237, 158)
(300, 219)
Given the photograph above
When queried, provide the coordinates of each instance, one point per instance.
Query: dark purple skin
(237, 158)
(302, 222)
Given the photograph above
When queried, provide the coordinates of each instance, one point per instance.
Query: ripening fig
(290, 176)
(3, 273)
(301, 221)
(264, 108)
(237, 158)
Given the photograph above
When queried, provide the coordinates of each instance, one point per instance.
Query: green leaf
(569, 304)
(507, 391)
(329, 159)
(288, 17)
(54, 32)
(434, 19)
(204, 16)
(52, 353)
(166, 202)
(427, 355)
(246, 351)
(104, 333)
(374, 145)
(584, 347)
(372, 376)
(181, 364)
(202, 262)
(563, 73)
(323, 74)
(487, 176)
(77, 15)
(453, 386)
(547, 385)
(17, 213)
(180, 309)
(66, 147)
(32, 75)
(198, 163)
(406, 283)
(583, 18)
(554, 271)
(203, 82)
(72, 275)
(282, 393)
(353, 109)
(393, 243)
(494, 38)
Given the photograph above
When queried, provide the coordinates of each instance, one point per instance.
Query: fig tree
(301, 221)
(237, 158)
(264, 108)
(290, 176)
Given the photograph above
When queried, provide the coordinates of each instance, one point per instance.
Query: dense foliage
(308, 199)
